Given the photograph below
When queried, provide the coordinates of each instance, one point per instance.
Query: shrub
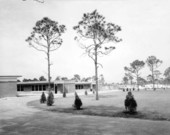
(64, 94)
(43, 98)
(133, 106)
(130, 103)
(86, 92)
(77, 103)
(50, 99)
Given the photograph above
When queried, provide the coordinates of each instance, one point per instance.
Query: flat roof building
(57, 86)
(8, 85)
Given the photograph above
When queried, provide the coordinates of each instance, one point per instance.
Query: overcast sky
(145, 31)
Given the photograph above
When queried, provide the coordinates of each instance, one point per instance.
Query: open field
(153, 105)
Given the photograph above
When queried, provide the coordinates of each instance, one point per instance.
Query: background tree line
(76, 78)
(134, 72)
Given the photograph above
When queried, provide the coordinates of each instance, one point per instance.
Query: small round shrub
(50, 99)
(131, 105)
(64, 94)
(86, 92)
(43, 98)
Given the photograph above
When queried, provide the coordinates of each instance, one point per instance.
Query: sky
(145, 31)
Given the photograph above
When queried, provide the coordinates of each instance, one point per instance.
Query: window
(79, 86)
(32, 87)
(22, 88)
(36, 87)
(18, 88)
(40, 87)
(44, 88)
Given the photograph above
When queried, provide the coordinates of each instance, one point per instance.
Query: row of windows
(86, 86)
(43, 87)
(31, 87)
(38, 87)
(20, 88)
(79, 86)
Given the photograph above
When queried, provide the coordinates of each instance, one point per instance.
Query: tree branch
(38, 43)
(84, 36)
(88, 52)
(100, 64)
(38, 48)
(40, 1)
(55, 48)
(52, 40)
(44, 37)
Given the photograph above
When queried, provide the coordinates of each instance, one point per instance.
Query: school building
(8, 85)
(57, 86)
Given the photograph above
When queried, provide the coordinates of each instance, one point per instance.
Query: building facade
(8, 86)
(57, 86)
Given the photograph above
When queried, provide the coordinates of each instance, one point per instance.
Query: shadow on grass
(101, 110)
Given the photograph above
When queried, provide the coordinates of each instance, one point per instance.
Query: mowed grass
(152, 105)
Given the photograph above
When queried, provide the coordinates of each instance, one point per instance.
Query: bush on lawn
(77, 102)
(43, 98)
(64, 94)
(50, 99)
(130, 103)
(86, 92)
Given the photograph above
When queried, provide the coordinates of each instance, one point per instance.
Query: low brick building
(8, 86)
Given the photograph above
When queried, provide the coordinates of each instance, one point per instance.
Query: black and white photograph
(84, 67)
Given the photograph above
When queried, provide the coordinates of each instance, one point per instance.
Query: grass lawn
(152, 105)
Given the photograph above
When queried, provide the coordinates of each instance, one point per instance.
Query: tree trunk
(48, 59)
(96, 74)
(153, 79)
(131, 82)
(137, 81)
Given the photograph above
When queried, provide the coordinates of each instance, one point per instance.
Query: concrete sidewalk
(12, 107)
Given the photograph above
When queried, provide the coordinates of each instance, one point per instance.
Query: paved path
(12, 107)
(16, 118)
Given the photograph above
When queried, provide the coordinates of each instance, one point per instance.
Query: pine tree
(43, 98)
(50, 99)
